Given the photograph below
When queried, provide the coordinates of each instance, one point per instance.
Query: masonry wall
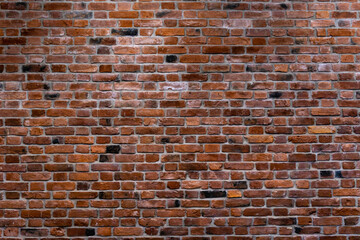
(193, 120)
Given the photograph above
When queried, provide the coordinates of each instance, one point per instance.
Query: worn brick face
(178, 119)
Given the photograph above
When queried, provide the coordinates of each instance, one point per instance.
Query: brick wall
(193, 120)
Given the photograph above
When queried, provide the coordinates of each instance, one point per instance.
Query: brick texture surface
(176, 119)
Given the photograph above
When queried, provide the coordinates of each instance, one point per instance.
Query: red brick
(57, 6)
